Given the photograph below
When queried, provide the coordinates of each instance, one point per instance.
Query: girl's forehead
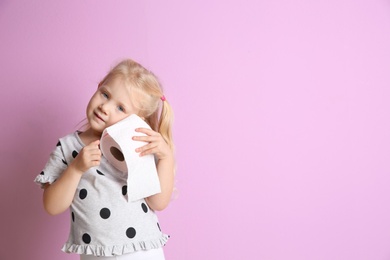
(114, 81)
(116, 84)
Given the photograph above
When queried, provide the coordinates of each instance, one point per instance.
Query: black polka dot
(99, 172)
(86, 238)
(105, 213)
(144, 207)
(83, 194)
(130, 232)
(64, 162)
(124, 190)
(58, 144)
(74, 154)
(158, 225)
(73, 216)
(42, 173)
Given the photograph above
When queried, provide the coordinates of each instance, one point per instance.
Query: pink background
(282, 120)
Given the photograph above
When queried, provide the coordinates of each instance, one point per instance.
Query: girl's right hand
(88, 157)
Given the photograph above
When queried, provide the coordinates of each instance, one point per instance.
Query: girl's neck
(89, 136)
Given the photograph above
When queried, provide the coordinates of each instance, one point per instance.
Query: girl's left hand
(156, 144)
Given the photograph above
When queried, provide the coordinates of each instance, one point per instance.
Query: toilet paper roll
(118, 148)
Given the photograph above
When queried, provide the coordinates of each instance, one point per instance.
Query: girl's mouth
(98, 116)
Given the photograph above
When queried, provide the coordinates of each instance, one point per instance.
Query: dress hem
(99, 250)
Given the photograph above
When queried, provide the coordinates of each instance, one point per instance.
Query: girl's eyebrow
(103, 88)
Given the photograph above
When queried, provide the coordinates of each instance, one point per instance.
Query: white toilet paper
(118, 147)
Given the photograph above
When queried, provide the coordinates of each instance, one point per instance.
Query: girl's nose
(103, 107)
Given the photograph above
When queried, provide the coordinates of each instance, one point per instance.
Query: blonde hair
(145, 86)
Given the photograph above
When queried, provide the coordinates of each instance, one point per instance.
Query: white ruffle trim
(98, 250)
(42, 180)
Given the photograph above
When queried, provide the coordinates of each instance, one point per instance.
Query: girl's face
(110, 104)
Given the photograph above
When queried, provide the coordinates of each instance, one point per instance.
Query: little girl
(104, 224)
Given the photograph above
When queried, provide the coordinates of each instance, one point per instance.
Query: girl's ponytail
(165, 123)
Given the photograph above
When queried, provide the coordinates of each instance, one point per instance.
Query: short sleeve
(53, 168)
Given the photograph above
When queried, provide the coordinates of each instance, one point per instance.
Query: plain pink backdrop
(282, 120)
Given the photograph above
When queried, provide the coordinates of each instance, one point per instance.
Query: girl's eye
(105, 95)
(120, 108)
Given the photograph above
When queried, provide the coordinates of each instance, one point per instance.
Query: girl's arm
(165, 166)
(165, 169)
(58, 196)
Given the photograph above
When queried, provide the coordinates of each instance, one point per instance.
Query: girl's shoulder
(70, 145)
(71, 139)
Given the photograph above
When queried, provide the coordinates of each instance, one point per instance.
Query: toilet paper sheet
(118, 148)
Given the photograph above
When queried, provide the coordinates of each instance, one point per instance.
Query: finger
(91, 147)
(95, 157)
(148, 151)
(146, 131)
(94, 144)
(93, 152)
(95, 163)
(146, 147)
(147, 138)
(97, 142)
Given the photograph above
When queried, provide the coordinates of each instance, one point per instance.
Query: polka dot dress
(103, 221)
